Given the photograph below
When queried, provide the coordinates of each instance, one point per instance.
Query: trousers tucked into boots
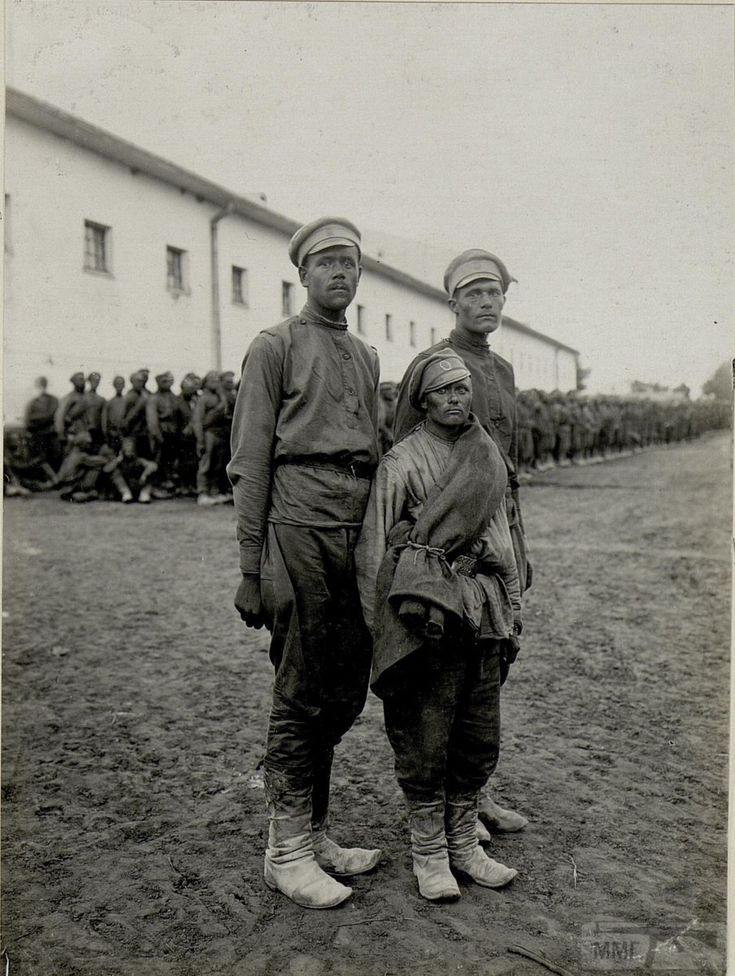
(290, 863)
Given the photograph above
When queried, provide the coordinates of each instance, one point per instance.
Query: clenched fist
(248, 602)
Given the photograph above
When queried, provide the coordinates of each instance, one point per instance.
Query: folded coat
(433, 501)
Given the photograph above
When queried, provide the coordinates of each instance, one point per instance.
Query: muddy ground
(134, 711)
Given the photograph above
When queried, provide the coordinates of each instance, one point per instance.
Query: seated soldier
(80, 470)
(24, 470)
(440, 592)
(131, 474)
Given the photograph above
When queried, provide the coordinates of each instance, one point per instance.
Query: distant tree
(582, 375)
(683, 389)
(720, 383)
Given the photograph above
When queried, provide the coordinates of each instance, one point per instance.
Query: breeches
(211, 462)
(320, 646)
(442, 717)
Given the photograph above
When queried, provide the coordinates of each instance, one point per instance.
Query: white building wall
(60, 318)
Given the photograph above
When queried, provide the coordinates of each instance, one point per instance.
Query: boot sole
(351, 874)
(332, 904)
(442, 899)
(499, 828)
(483, 884)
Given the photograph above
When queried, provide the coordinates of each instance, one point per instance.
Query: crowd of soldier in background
(561, 429)
(144, 444)
(138, 445)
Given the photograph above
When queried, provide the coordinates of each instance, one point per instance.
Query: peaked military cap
(436, 371)
(321, 234)
(473, 265)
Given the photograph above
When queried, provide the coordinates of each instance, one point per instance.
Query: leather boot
(290, 864)
(329, 855)
(498, 818)
(465, 854)
(429, 851)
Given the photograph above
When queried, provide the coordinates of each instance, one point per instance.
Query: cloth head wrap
(471, 266)
(76, 378)
(168, 375)
(433, 373)
(321, 234)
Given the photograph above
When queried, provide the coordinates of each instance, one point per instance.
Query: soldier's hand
(529, 575)
(509, 649)
(249, 603)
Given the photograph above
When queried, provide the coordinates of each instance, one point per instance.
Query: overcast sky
(591, 147)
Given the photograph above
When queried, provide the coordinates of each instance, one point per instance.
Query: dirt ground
(134, 712)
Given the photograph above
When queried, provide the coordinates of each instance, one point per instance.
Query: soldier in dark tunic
(186, 468)
(476, 282)
(229, 392)
(304, 448)
(112, 415)
(39, 422)
(71, 414)
(134, 422)
(95, 406)
(210, 425)
(163, 422)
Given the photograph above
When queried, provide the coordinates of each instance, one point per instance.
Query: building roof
(44, 116)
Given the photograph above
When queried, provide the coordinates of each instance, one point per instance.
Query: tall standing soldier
(476, 283)
(95, 406)
(71, 414)
(112, 415)
(304, 448)
(39, 421)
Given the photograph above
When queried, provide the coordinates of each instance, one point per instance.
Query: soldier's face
(165, 383)
(94, 381)
(331, 276)
(478, 306)
(119, 384)
(228, 382)
(450, 406)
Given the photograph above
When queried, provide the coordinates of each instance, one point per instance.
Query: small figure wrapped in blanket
(440, 593)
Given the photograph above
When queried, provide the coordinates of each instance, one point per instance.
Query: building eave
(40, 114)
(522, 327)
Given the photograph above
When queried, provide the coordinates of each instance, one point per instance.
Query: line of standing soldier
(137, 445)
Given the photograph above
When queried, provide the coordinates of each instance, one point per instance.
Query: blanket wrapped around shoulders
(419, 592)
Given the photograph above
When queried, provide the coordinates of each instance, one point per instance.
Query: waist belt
(358, 469)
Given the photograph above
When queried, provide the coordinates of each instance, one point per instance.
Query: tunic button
(346, 355)
(348, 389)
(302, 321)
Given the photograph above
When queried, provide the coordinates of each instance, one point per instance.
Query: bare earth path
(134, 709)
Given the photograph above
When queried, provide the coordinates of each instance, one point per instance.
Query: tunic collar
(314, 318)
(478, 345)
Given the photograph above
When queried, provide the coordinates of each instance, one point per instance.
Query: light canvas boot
(429, 852)
(499, 818)
(329, 855)
(290, 864)
(465, 854)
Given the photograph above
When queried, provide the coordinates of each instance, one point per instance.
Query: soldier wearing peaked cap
(162, 421)
(71, 414)
(113, 413)
(134, 423)
(95, 406)
(476, 282)
(439, 584)
(304, 448)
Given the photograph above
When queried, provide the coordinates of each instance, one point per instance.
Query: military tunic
(304, 445)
